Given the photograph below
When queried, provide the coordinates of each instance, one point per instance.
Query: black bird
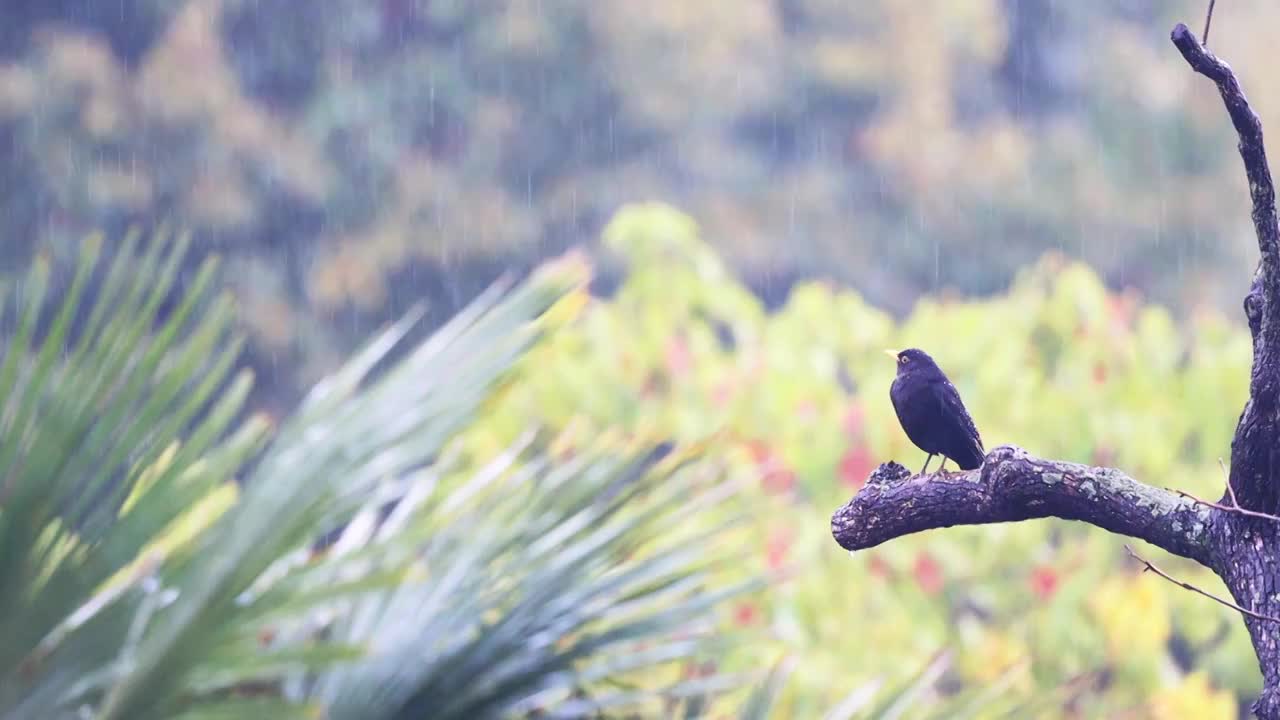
(931, 412)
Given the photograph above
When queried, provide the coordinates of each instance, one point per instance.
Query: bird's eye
(904, 359)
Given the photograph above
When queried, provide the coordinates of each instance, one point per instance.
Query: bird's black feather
(931, 412)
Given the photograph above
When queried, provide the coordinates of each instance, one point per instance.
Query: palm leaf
(350, 437)
(86, 416)
(536, 592)
(137, 584)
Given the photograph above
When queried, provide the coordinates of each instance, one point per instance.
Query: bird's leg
(941, 467)
(926, 463)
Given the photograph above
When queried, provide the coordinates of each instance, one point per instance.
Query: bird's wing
(949, 398)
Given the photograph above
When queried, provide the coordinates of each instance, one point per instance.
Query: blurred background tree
(352, 157)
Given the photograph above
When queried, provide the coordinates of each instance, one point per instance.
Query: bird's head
(914, 361)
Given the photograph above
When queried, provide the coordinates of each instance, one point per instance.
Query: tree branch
(1252, 151)
(1013, 485)
(1261, 189)
(1257, 433)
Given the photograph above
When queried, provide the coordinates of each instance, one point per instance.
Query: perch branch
(1013, 485)
(1188, 586)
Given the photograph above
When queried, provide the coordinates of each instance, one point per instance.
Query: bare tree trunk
(1238, 538)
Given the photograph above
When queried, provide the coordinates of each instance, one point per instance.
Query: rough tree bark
(1012, 485)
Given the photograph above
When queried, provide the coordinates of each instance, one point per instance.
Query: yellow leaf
(1193, 698)
(995, 653)
(567, 309)
(149, 476)
(182, 529)
(56, 543)
(1134, 614)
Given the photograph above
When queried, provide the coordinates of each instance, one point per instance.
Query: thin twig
(1206, 503)
(1226, 480)
(1194, 589)
(1208, 18)
(1234, 507)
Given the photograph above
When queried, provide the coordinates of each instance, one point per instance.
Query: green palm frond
(540, 592)
(765, 694)
(137, 582)
(88, 418)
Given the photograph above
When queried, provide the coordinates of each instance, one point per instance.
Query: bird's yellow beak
(892, 353)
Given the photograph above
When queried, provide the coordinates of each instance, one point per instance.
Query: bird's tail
(972, 458)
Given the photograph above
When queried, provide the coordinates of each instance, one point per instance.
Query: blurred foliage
(1049, 618)
(351, 156)
(154, 567)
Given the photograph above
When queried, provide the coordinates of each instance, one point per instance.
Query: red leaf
(879, 568)
(759, 451)
(928, 574)
(855, 466)
(853, 420)
(746, 614)
(1123, 308)
(1044, 582)
(777, 547)
(779, 481)
(776, 477)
